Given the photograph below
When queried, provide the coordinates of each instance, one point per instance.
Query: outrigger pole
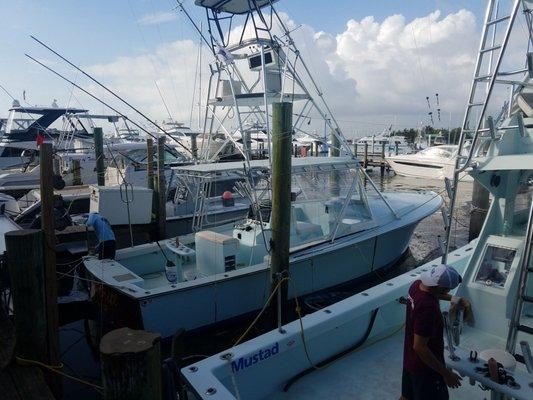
(109, 91)
(94, 97)
(182, 8)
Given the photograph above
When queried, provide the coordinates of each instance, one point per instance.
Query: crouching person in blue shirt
(107, 244)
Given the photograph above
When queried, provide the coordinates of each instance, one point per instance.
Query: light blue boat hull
(206, 305)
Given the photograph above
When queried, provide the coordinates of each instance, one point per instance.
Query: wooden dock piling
(161, 189)
(382, 166)
(281, 197)
(335, 151)
(150, 162)
(131, 365)
(76, 173)
(24, 249)
(194, 145)
(49, 259)
(99, 154)
(365, 160)
(24, 252)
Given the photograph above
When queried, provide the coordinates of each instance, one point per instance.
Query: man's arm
(421, 348)
(455, 300)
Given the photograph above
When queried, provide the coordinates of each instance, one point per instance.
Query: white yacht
(436, 162)
(18, 145)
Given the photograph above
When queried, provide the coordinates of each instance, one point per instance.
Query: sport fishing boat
(333, 221)
(354, 348)
(436, 162)
(342, 228)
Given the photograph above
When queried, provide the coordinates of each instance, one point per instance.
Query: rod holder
(449, 338)
(526, 353)
(457, 328)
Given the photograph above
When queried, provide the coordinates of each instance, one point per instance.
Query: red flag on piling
(39, 139)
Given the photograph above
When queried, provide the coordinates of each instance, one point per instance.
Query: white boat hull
(409, 165)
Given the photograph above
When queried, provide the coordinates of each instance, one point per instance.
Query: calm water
(78, 357)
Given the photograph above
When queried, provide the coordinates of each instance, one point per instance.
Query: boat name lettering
(246, 362)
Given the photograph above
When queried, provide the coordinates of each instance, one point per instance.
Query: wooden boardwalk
(18, 382)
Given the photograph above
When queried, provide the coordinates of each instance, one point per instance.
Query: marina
(295, 212)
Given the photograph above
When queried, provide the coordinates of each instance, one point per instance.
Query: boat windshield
(140, 155)
(439, 151)
(16, 121)
(328, 204)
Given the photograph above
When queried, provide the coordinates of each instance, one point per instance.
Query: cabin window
(495, 266)
(12, 152)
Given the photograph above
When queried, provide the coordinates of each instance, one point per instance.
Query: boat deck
(375, 372)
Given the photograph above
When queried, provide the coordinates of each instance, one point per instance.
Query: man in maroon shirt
(425, 375)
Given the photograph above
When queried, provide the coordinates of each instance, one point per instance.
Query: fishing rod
(111, 92)
(96, 98)
(180, 5)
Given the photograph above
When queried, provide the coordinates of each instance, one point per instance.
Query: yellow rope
(57, 370)
(302, 329)
(262, 311)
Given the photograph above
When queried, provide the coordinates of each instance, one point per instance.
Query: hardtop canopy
(234, 6)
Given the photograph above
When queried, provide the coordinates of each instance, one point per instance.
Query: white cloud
(157, 18)
(171, 66)
(371, 72)
(397, 63)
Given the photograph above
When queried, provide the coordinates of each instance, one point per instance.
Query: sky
(376, 61)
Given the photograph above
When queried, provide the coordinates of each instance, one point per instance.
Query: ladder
(522, 295)
(476, 107)
(201, 204)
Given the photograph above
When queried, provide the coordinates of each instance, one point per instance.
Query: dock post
(396, 148)
(281, 199)
(99, 154)
(49, 259)
(24, 250)
(150, 162)
(56, 164)
(480, 206)
(161, 189)
(76, 173)
(355, 148)
(365, 162)
(131, 365)
(334, 152)
(194, 145)
(382, 164)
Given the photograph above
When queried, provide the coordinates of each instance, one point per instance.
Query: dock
(369, 155)
(18, 382)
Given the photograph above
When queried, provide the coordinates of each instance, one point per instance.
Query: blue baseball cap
(442, 275)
